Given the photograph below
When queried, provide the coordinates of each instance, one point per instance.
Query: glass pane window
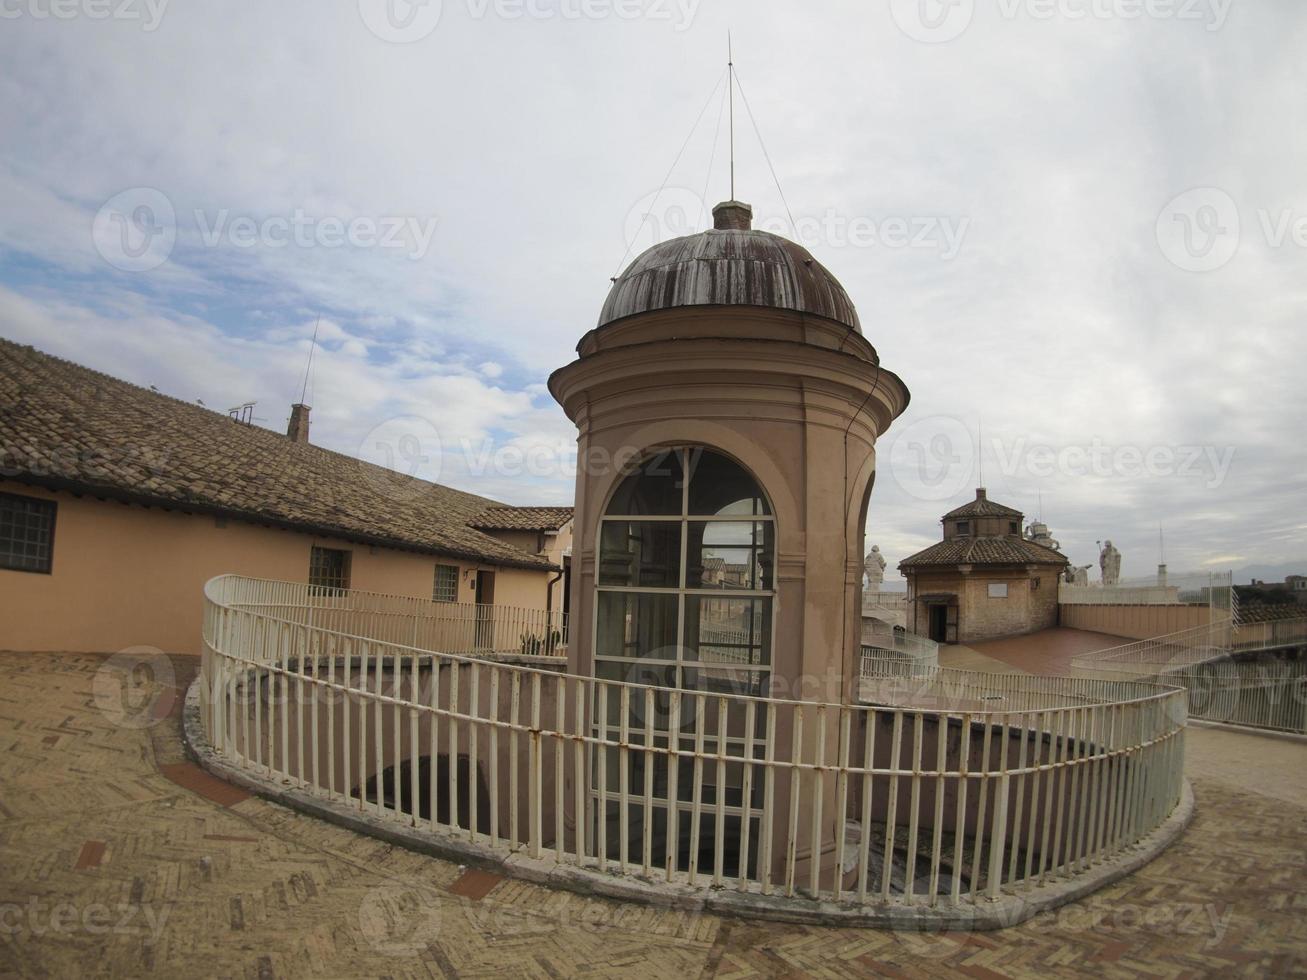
(728, 631)
(636, 625)
(26, 533)
(730, 555)
(328, 569)
(644, 554)
(722, 487)
(656, 488)
(445, 588)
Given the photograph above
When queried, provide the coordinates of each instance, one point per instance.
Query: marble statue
(874, 568)
(1078, 574)
(1109, 560)
(1037, 532)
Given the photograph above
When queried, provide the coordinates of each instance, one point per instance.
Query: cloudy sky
(1076, 228)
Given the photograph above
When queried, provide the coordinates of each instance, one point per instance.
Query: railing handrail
(347, 718)
(1156, 691)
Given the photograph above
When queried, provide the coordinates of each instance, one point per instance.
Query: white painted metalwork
(965, 787)
(882, 642)
(451, 627)
(1252, 674)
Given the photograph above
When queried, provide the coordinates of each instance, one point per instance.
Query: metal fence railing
(449, 627)
(963, 790)
(1251, 674)
(882, 642)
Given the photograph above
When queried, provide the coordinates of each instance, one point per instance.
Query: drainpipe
(549, 605)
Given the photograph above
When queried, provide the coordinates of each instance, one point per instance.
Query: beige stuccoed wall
(1136, 622)
(129, 576)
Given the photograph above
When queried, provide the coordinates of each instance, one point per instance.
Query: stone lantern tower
(728, 408)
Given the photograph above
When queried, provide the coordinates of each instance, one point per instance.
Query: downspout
(549, 612)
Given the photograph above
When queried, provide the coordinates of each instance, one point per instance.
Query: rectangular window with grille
(328, 570)
(26, 533)
(446, 584)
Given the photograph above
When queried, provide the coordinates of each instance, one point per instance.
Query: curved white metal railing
(882, 643)
(1250, 674)
(452, 627)
(955, 791)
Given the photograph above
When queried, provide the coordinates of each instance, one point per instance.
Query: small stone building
(984, 580)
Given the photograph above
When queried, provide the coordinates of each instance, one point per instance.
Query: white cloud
(1059, 323)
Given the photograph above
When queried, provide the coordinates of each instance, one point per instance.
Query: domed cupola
(731, 265)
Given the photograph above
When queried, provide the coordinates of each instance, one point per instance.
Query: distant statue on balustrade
(874, 569)
(1078, 575)
(1109, 560)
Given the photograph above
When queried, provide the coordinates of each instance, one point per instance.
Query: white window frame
(435, 584)
(750, 810)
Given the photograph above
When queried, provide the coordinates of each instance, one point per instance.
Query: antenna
(1161, 545)
(244, 414)
(730, 69)
(980, 447)
(308, 367)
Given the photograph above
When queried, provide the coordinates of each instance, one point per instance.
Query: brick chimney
(981, 493)
(298, 430)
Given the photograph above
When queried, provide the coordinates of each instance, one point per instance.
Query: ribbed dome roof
(730, 265)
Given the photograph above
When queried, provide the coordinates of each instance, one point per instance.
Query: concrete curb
(1222, 726)
(985, 915)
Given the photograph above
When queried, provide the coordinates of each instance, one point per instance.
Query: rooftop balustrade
(1249, 674)
(952, 792)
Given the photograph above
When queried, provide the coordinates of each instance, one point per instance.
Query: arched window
(685, 598)
(686, 578)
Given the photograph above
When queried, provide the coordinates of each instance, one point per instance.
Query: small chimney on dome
(298, 430)
(733, 216)
(981, 493)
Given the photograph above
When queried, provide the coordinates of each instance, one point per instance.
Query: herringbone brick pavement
(119, 859)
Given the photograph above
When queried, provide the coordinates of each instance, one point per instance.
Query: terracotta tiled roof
(983, 507)
(65, 426)
(522, 518)
(1260, 612)
(1006, 550)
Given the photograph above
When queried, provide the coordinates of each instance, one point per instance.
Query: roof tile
(65, 426)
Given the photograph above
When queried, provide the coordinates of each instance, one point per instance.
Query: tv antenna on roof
(730, 68)
(244, 414)
(313, 345)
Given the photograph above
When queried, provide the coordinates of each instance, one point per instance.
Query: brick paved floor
(119, 859)
(1047, 652)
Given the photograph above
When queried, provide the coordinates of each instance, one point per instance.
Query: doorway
(485, 613)
(938, 623)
